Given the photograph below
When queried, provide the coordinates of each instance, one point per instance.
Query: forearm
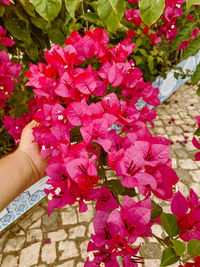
(17, 173)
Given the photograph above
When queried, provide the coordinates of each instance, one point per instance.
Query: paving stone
(174, 163)
(157, 230)
(90, 229)
(14, 244)
(86, 216)
(182, 188)
(69, 216)
(68, 249)
(195, 175)
(34, 235)
(49, 253)
(175, 138)
(38, 212)
(196, 188)
(2, 239)
(36, 224)
(78, 231)
(25, 223)
(29, 255)
(80, 264)
(152, 263)
(50, 222)
(66, 264)
(151, 250)
(83, 247)
(183, 175)
(58, 235)
(181, 153)
(159, 130)
(1, 256)
(10, 261)
(187, 164)
(172, 129)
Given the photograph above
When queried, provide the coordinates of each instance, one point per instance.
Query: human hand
(31, 150)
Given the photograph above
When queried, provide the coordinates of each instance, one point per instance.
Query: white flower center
(43, 147)
(58, 190)
(50, 196)
(60, 117)
(91, 256)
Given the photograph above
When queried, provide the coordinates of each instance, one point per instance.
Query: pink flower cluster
(188, 215)
(5, 2)
(79, 105)
(166, 27)
(85, 102)
(8, 73)
(117, 231)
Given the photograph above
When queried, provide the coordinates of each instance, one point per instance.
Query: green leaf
(198, 91)
(151, 10)
(169, 222)
(2, 11)
(156, 210)
(32, 53)
(28, 7)
(179, 247)
(192, 2)
(193, 48)
(40, 23)
(18, 29)
(197, 132)
(184, 33)
(168, 257)
(56, 36)
(113, 4)
(71, 6)
(120, 189)
(110, 16)
(48, 9)
(196, 75)
(193, 247)
(93, 18)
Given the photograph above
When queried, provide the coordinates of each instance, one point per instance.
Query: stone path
(36, 240)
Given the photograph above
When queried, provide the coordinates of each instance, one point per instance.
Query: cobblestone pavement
(61, 239)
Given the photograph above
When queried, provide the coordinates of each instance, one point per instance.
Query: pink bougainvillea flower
(105, 200)
(195, 33)
(5, 2)
(197, 145)
(188, 217)
(133, 15)
(154, 38)
(6, 41)
(83, 171)
(179, 204)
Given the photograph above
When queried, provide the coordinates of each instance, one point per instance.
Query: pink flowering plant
(91, 129)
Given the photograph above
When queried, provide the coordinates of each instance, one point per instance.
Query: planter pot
(35, 193)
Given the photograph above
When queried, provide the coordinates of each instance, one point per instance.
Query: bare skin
(20, 169)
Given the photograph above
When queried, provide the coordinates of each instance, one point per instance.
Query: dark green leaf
(56, 36)
(2, 11)
(151, 10)
(18, 29)
(197, 132)
(40, 23)
(28, 7)
(71, 6)
(168, 257)
(192, 2)
(196, 76)
(48, 9)
(93, 18)
(184, 33)
(101, 173)
(179, 247)
(176, 75)
(198, 91)
(120, 189)
(110, 16)
(193, 247)
(193, 48)
(169, 222)
(32, 53)
(156, 210)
